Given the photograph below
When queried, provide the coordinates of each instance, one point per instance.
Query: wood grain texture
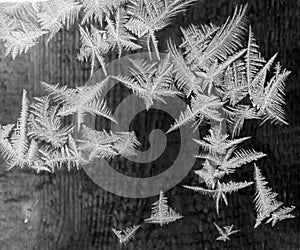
(75, 214)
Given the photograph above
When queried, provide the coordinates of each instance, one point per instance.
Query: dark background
(74, 213)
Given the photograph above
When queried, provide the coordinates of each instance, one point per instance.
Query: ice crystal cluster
(217, 69)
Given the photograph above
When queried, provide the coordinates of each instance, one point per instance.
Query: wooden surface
(74, 213)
